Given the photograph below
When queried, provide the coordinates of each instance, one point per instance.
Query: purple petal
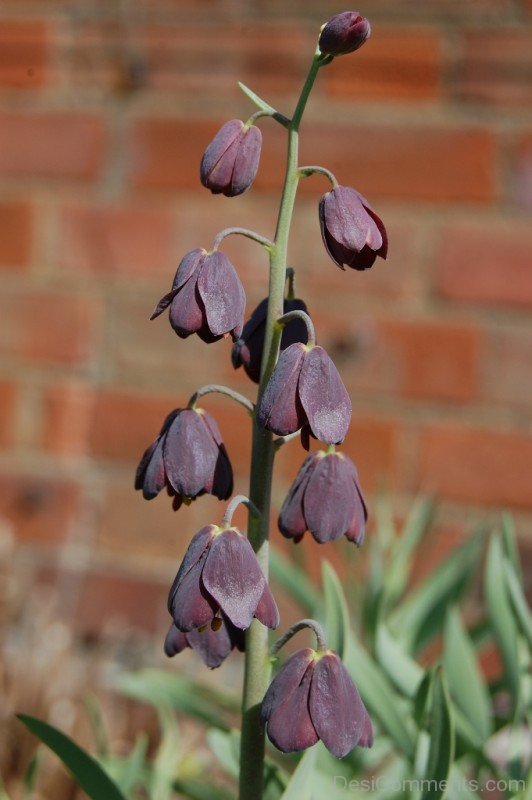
(366, 737)
(187, 314)
(383, 250)
(286, 704)
(154, 474)
(337, 712)
(190, 454)
(292, 522)
(222, 294)
(345, 218)
(357, 526)
(163, 304)
(229, 134)
(329, 499)
(213, 646)
(233, 577)
(221, 485)
(267, 611)
(175, 642)
(246, 161)
(296, 330)
(324, 397)
(279, 409)
(198, 544)
(191, 607)
(189, 264)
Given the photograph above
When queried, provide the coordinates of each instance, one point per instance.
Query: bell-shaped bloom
(313, 697)
(231, 160)
(207, 297)
(247, 350)
(326, 500)
(352, 232)
(213, 643)
(188, 457)
(344, 33)
(220, 574)
(305, 391)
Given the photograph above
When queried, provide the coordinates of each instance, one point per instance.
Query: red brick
(46, 326)
(397, 65)
(122, 241)
(16, 228)
(477, 465)
(39, 510)
(421, 163)
(522, 173)
(8, 405)
(496, 67)
(489, 264)
(51, 145)
(507, 373)
(24, 47)
(67, 414)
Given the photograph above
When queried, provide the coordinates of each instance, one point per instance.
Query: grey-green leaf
(301, 781)
(441, 748)
(336, 611)
(87, 772)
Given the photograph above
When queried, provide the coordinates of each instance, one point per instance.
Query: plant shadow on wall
(442, 726)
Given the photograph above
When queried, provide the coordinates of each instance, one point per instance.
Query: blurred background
(105, 110)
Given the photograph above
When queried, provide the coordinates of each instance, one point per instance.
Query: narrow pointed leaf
(518, 599)
(294, 581)
(466, 683)
(402, 670)
(301, 782)
(336, 611)
(86, 771)
(401, 555)
(262, 104)
(441, 750)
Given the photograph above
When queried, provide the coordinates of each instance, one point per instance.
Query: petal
(233, 577)
(324, 397)
(191, 607)
(247, 350)
(296, 330)
(363, 260)
(222, 295)
(154, 474)
(337, 712)
(366, 737)
(330, 499)
(187, 315)
(190, 454)
(226, 136)
(267, 611)
(219, 180)
(213, 646)
(247, 161)
(383, 250)
(345, 218)
(292, 520)
(357, 526)
(199, 542)
(279, 408)
(143, 463)
(189, 264)
(221, 485)
(175, 642)
(286, 705)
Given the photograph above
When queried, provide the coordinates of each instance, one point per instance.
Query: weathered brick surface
(103, 120)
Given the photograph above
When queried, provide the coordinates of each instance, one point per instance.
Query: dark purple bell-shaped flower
(352, 232)
(188, 457)
(207, 297)
(220, 574)
(326, 500)
(247, 350)
(213, 643)
(344, 33)
(306, 391)
(313, 697)
(231, 160)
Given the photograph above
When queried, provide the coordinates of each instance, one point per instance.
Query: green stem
(257, 663)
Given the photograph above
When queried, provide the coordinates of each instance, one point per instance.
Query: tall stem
(257, 663)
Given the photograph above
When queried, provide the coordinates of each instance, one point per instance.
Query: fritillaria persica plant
(220, 598)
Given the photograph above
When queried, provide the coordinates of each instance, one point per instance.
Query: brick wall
(105, 108)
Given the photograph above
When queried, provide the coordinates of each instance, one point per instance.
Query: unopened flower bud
(231, 160)
(344, 33)
(352, 232)
(313, 697)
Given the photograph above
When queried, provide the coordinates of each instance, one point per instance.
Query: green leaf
(302, 779)
(421, 616)
(400, 668)
(441, 749)
(162, 689)
(132, 768)
(501, 615)
(518, 600)
(294, 581)
(262, 104)
(509, 543)
(226, 749)
(399, 564)
(201, 790)
(465, 679)
(336, 611)
(165, 765)
(87, 772)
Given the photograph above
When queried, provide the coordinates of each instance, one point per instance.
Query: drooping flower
(305, 391)
(344, 33)
(313, 697)
(207, 297)
(231, 160)
(325, 499)
(352, 232)
(213, 643)
(188, 457)
(220, 574)
(247, 350)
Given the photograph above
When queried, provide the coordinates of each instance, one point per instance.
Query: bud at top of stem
(344, 33)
